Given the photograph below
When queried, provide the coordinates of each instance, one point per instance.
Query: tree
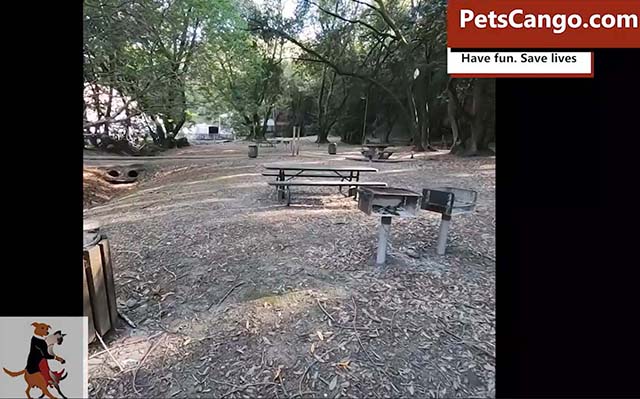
(473, 119)
(326, 64)
(243, 72)
(144, 49)
(397, 52)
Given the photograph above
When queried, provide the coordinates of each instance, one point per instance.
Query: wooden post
(295, 141)
(110, 285)
(97, 290)
(87, 302)
(99, 287)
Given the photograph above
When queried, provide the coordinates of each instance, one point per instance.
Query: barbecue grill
(447, 201)
(387, 203)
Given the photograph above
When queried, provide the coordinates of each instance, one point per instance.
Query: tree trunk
(473, 141)
(161, 136)
(108, 113)
(263, 129)
(322, 133)
(413, 121)
(452, 112)
(480, 113)
(387, 135)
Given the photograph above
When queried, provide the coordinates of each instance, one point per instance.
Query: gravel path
(235, 295)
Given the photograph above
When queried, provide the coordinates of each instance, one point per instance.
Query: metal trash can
(332, 148)
(253, 151)
(98, 285)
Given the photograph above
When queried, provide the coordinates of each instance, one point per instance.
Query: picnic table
(376, 150)
(287, 177)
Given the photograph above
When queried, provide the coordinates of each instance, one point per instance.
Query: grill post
(443, 233)
(383, 236)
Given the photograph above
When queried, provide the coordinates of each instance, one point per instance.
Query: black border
(43, 181)
(560, 223)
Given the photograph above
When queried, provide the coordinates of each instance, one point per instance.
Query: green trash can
(332, 148)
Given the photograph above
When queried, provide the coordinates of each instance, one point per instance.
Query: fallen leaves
(333, 383)
(272, 340)
(344, 364)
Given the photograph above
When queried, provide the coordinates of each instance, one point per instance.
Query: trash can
(253, 151)
(98, 284)
(332, 148)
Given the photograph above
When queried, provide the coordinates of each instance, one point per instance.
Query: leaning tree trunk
(457, 116)
(473, 141)
(323, 133)
(413, 122)
(480, 111)
(160, 136)
(263, 128)
(452, 112)
(391, 124)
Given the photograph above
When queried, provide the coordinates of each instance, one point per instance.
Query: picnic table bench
(284, 187)
(286, 174)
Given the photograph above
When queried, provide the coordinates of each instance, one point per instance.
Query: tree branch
(320, 58)
(109, 120)
(367, 4)
(353, 21)
(387, 18)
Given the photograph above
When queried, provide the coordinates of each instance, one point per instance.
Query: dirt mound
(96, 190)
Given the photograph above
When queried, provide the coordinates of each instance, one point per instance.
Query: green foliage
(193, 60)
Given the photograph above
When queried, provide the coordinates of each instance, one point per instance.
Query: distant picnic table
(376, 150)
(286, 176)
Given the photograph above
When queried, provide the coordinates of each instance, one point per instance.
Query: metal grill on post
(387, 203)
(447, 201)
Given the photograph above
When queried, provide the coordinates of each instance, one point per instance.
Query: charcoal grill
(387, 203)
(447, 201)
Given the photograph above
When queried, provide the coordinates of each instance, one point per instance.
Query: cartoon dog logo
(37, 374)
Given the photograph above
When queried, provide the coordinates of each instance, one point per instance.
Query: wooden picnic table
(376, 150)
(292, 171)
(285, 174)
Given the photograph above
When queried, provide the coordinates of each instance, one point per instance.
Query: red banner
(543, 24)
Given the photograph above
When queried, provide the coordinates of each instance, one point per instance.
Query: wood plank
(321, 168)
(326, 183)
(86, 309)
(98, 290)
(305, 175)
(108, 279)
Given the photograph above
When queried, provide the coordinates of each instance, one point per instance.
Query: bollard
(383, 236)
(442, 235)
(253, 151)
(332, 148)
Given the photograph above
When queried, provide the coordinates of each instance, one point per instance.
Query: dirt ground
(236, 295)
